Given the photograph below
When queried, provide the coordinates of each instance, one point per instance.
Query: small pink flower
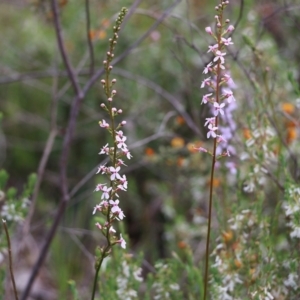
(226, 153)
(121, 142)
(127, 153)
(219, 108)
(227, 42)
(99, 187)
(220, 139)
(205, 82)
(210, 121)
(208, 30)
(206, 98)
(201, 149)
(102, 169)
(104, 150)
(213, 48)
(124, 182)
(111, 229)
(97, 207)
(103, 124)
(99, 226)
(220, 56)
(121, 162)
(207, 68)
(122, 242)
(114, 173)
(230, 28)
(105, 191)
(229, 95)
(211, 132)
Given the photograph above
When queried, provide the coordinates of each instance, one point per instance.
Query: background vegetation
(160, 57)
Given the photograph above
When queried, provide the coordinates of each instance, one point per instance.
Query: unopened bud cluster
(109, 205)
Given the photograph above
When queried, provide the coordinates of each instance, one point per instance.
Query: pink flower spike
(220, 56)
(208, 30)
(211, 132)
(205, 82)
(218, 108)
(206, 98)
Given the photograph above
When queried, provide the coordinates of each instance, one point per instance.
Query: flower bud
(208, 30)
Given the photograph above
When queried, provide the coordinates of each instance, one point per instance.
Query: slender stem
(217, 92)
(209, 220)
(10, 260)
(89, 39)
(106, 250)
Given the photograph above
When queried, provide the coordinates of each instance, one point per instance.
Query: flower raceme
(218, 81)
(109, 206)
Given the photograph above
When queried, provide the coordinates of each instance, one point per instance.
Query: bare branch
(89, 39)
(62, 49)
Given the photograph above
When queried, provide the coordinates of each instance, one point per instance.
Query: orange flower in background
(216, 182)
(181, 245)
(177, 142)
(238, 263)
(289, 108)
(101, 34)
(291, 135)
(92, 34)
(227, 236)
(180, 161)
(97, 34)
(180, 120)
(105, 23)
(62, 3)
(149, 151)
(247, 133)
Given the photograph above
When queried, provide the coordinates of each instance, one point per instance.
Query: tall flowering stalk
(219, 96)
(109, 205)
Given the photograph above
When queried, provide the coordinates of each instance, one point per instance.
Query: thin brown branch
(10, 259)
(72, 76)
(88, 34)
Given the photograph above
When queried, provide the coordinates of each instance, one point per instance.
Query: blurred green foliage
(166, 203)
